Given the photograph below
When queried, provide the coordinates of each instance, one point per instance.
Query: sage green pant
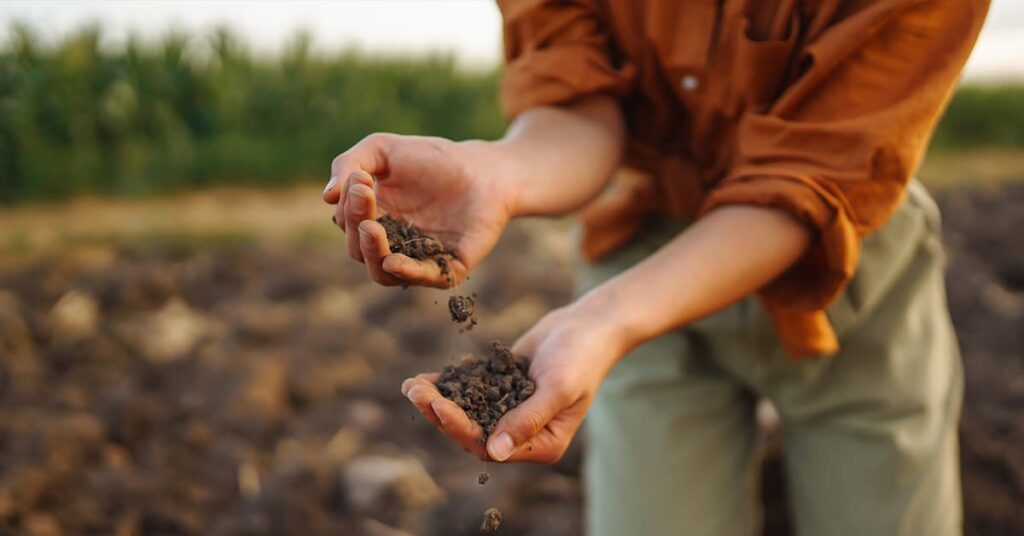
(869, 435)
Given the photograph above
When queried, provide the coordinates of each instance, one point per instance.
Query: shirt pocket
(760, 66)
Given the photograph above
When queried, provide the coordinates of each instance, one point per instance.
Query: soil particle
(460, 307)
(488, 389)
(483, 478)
(492, 520)
(410, 241)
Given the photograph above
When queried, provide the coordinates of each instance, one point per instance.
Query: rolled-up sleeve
(837, 148)
(557, 51)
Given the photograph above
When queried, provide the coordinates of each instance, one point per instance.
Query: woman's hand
(434, 183)
(572, 350)
(551, 161)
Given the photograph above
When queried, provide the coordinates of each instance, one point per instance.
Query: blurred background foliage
(78, 117)
(187, 111)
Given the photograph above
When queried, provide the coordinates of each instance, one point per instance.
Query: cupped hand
(436, 184)
(571, 353)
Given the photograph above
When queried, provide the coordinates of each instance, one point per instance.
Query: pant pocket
(885, 256)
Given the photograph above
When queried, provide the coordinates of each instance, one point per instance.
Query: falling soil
(409, 240)
(461, 309)
(488, 389)
(485, 390)
(492, 520)
(483, 478)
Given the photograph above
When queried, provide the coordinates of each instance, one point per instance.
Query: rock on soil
(74, 317)
(374, 480)
(263, 394)
(170, 333)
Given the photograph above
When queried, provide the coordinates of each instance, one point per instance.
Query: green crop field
(197, 110)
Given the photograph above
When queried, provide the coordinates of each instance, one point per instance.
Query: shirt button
(689, 83)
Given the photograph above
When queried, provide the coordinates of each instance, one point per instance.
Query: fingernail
(331, 183)
(501, 447)
(411, 395)
(356, 201)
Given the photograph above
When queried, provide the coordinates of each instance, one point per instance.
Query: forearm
(553, 160)
(728, 254)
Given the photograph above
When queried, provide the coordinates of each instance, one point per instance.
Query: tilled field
(243, 387)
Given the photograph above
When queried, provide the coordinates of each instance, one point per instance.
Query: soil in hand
(409, 240)
(492, 520)
(487, 389)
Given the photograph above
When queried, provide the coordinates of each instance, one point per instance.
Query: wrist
(491, 162)
(606, 314)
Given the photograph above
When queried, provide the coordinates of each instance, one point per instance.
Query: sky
(468, 29)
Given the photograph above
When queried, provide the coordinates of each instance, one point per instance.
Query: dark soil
(284, 372)
(483, 478)
(409, 240)
(487, 389)
(295, 350)
(492, 520)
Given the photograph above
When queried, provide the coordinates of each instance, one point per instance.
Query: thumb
(525, 421)
(529, 342)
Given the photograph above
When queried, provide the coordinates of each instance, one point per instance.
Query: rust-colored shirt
(820, 108)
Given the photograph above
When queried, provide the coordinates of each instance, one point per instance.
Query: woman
(769, 243)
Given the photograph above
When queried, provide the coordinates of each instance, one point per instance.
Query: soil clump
(409, 240)
(461, 309)
(487, 389)
(492, 520)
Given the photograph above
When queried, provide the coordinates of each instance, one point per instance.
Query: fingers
(369, 156)
(360, 205)
(444, 414)
(357, 177)
(372, 241)
(430, 377)
(525, 421)
(422, 272)
(420, 397)
(366, 240)
(343, 213)
(550, 444)
(330, 195)
(458, 426)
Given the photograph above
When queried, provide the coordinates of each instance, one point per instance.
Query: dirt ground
(220, 384)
